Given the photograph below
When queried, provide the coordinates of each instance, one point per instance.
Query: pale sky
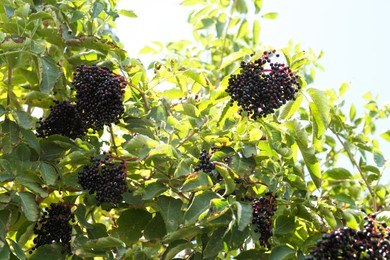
(354, 35)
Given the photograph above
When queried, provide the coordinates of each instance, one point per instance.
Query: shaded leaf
(170, 210)
(29, 206)
(49, 74)
(198, 206)
(338, 174)
(284, 224)
(244, 215)
(282, 253)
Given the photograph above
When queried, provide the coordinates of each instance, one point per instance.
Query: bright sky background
(354, 35)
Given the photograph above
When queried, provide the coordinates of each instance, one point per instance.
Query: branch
(353, 161)
(111, 130)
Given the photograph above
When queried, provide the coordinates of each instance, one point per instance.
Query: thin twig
(353, 161)
(113, 139)
(191, 133)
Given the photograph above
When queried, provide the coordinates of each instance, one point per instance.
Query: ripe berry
(105, 179)
(262, 216)
(54, 226)
(259, 90)
(99, 95)
(346, 243)
(63, 119)
(204, 162)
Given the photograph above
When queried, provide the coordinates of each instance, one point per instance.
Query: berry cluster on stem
(63, 119)
(54, 226)
(263, 86)
(105, 179)
(262, 217)
(346, 243)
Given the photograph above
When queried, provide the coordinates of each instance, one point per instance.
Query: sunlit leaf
(271, 16)
(128, 13)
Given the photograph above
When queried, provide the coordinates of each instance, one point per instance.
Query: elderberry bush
(105, 179)
(263, 86)
(346, 243)
(99, 95)
(54, 227)
(262, 216)
(63, 119)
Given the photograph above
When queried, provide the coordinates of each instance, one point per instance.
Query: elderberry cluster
(262, 216)
(99, 95)
(105, 179)
(54, 226)
(63, 119)
(204, 162)
(346, 243)
(263, 86)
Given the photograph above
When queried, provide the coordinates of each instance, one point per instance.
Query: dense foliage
(221, 149)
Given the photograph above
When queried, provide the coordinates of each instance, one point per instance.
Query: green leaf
(49, 74)
(271, 16)
(97, 9)
(49, 173)
(80, 213)
(2, 110)
(320, 111)
(290, 108)
(186, 233)
(128, 13)
(5, 251)
(18, 250)
(337, 174)
(176, 247)
(75, 157)
(198, 76)
(199, 204)
(282, 253)
(251, 254)
(379, 158)
(258, 5)
(284, 225)
(131, 224)
(29, 206)
(233, 57)
(241, 6)
(352, 112)
(256, 32)
(386, 135)
(197, 181)
(171, 212)
(5, 218)
(31, 139)
(308, 153)
(215, 244)
(24, 119)
(243, 30)
(155, 228)
(244, 215)
(104, 243)
(48, 251)
(153, 189)
(230, 185)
